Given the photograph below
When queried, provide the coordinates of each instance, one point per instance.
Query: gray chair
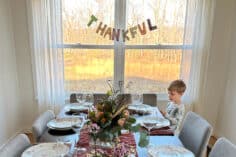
(97, 97)
(40, 125)
(126, 98)
(15, 147)
(223, 148)
(195, 133)
(150, 99)
(74, 96)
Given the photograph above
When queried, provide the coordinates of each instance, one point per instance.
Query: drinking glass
(76, 125)
(149, 127)
(136, 99)
(58, 147)
(79, 98)
(78, 151)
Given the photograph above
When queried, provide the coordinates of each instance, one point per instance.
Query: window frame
(120, 47)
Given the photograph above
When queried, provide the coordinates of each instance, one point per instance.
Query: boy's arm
(163, 112)
(175, 117)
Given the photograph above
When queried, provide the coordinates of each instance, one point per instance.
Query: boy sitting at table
(175, 109)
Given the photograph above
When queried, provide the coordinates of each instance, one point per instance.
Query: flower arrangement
(110, 116)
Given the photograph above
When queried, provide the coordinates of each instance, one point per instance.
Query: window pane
(77, 13)
(151, 70)
(87, 70)
(167, 15)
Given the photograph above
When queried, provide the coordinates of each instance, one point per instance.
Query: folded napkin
(164, 131)
(61, 132)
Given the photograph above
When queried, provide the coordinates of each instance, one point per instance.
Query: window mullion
(119, 48)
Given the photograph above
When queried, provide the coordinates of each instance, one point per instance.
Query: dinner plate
(142, 108)
(64, 123)
(47, 150)
(169, 151)
(159, 122)
(79, 107)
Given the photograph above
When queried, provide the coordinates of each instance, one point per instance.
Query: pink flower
(94, 128)
(121, 150)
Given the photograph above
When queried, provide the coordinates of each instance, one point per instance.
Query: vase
(102, 143)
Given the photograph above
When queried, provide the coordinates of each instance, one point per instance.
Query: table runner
(128, 140)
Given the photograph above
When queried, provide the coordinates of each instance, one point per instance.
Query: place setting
(66, 125)
(155, 125)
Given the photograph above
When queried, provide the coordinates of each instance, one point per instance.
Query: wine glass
(89, 98)
(59, 144)
(79, 98)
(135, 99)
(77, 122)
(78, 151)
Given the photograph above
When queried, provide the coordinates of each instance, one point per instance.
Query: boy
(175, 109)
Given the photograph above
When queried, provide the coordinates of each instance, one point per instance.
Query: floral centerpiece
(110, 116)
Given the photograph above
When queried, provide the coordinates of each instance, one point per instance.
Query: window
(86, 67)
(149, 59)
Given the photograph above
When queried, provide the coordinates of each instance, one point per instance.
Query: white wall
(10, 117)
(17, 104)
(23, 59)
(218, 61)
(226, 122)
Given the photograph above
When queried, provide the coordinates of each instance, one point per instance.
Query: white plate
(142, 108)
(78, 107)
(47, 150)
(64, 123)
(169, 151)
(160, 122)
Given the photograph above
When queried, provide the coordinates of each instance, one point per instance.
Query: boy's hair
(178, 86)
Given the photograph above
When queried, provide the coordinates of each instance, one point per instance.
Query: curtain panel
(45, 27)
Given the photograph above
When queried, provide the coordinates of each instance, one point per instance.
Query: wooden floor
(211, 143)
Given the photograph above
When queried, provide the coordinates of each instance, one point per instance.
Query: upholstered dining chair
(74, 96)
(150, 99)
(223, 148)
(40, 124)
(15, 147)
(126, 98)
(195, 133)
(98, 97)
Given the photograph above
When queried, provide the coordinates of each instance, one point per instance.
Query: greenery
(110, 116)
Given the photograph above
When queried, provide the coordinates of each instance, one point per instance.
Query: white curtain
(198, 32)
(45, 26)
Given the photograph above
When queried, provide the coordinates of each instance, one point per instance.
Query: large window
(149, 60)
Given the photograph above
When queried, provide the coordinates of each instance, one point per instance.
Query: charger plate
(64, 123)
(47, 150)
(169, 151)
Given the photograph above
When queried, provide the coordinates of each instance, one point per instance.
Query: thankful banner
(121, 34)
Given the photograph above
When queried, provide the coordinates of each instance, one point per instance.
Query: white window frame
(119, 47)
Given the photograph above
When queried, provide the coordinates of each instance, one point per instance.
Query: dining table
(160, 138)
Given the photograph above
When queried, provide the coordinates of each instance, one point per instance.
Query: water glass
(136, 99)
(77, 125)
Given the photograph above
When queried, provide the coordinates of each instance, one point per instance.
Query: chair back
(97, 97)
(223, 148)
(40, 124)
(15, 147)
(150, 99)
(74, 96)
(125, 98)
(195, 133)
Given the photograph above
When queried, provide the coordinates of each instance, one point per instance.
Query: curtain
(198, 32)
(45, 26)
